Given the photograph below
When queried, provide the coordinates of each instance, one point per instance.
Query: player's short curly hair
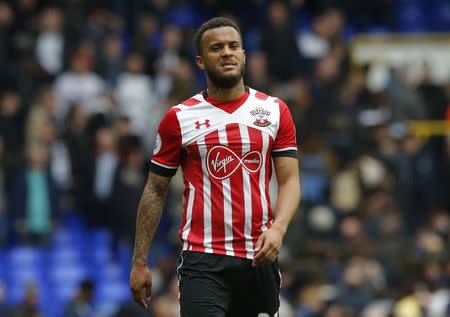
(212, 24)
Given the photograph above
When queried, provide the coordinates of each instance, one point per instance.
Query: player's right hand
(141, 284)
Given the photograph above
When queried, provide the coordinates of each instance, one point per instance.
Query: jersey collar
(228, 106)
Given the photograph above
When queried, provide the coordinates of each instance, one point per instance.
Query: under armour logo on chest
(198, 124)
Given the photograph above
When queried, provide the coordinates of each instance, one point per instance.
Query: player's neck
(224, 94)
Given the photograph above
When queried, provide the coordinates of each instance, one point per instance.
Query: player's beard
(224, 81)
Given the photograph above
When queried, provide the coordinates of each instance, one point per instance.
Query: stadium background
(83, 85)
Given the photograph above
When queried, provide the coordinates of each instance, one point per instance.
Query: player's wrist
(280, 228)
(139, 261)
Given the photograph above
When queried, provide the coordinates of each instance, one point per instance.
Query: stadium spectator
(12, 122)
(127, 188)
(5, 307)
(29, 305)
(4, 217)
(79, 85)
(278, 42)
(7, 58)
(80, 305)
(319, 41)
(111, 61)
(50, 41)
(35, 198)
(257, 71)
(98, 179)
(136, 98)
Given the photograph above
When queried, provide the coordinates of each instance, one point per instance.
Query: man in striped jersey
(225, 140)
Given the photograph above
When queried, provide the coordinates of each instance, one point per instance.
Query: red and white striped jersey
(225, 150)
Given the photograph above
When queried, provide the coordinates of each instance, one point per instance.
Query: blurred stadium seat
(410, 16)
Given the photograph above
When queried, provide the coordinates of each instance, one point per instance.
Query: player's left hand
(268, 246)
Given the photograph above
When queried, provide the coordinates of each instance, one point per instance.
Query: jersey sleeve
(167, 152)
(285, 142)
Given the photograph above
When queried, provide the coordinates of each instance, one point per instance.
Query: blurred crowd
(84, 84)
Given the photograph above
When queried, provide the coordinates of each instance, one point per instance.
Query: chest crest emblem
(261, 117)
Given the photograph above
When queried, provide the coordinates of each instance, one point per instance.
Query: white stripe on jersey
(207, 224)
(165, 166)
(187, 225)
(227, 211)
(262, 183)
(285, 149)
(245, 138)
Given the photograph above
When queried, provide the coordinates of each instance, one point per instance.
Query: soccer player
(225, 139)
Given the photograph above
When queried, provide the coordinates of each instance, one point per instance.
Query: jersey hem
(237, 254)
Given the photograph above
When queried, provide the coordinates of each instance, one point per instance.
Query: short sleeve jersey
(224, 150)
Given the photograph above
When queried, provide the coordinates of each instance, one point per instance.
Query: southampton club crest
(261, 115)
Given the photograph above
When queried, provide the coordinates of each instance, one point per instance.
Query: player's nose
(227, 51)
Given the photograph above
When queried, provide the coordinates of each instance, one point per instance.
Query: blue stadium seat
(184, 17)
(410, 16)
(378, 29)
(111, 272)
(73, 221)
(58, 296)
(67, 274)
(74, 237)
(3, 260)
(99, 255)
(112, 292)
(124, 254)
(438, 14)
(65, 256)
(99, 249)
(252, 40)
(109, 295)
(314, 178)
(18, 257)
(24, 275)
(100, 237)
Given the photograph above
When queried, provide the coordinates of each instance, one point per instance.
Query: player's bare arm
(269, 243)
(148, 217)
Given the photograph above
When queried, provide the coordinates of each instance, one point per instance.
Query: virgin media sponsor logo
(222, 162)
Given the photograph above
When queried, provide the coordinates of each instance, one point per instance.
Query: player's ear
(245, 56)
(199, 62)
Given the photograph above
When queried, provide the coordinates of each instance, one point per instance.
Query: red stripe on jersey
(261, 95)
(196, 233)
(255, 144)
(237, 190)
(191, 102)
(217, 209)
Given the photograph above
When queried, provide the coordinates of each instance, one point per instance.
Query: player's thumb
(259, 243)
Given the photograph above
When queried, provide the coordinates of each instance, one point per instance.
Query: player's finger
(259, 243)
(143, 297)
(148, 293)
(136, 297)
(148, 290)
(260, 256)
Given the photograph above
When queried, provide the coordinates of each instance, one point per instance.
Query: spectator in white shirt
(50, 41)
(136, 98)
(79, 85)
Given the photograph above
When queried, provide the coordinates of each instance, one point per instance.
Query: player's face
(222, 58)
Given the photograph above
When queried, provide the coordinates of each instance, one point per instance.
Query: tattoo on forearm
(149, 214)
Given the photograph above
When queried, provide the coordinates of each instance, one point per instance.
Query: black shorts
(224, 286)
